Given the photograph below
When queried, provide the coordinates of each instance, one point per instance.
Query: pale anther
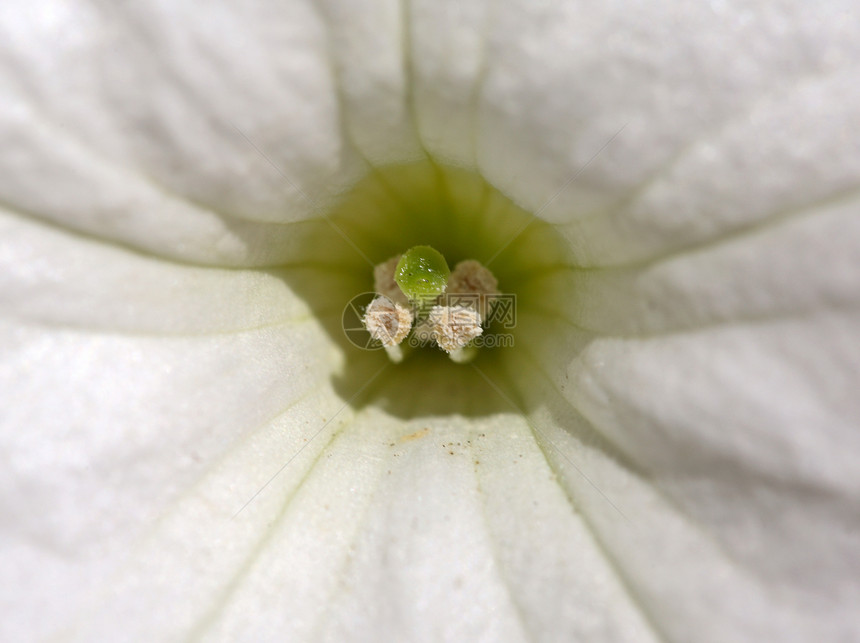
(469, 277)
(383, 281)
(454, 326)
(387, 322)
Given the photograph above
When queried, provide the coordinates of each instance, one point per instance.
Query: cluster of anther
(447, 308)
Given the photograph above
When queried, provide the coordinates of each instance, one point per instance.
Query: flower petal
(378, 526)
(720, 420)
(193, 137)
(114, 405)
(562, 79)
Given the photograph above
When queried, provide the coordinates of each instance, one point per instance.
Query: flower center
(484, 236)
(417, 293)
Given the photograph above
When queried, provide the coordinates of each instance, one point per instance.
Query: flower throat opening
(418, 267)
(449, 263)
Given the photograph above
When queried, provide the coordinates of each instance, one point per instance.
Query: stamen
(469, 277)
(447, 308)
(386, 321)
(463, 355)
(454, 326)
(384, 284)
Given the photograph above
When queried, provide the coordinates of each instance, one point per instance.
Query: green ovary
(422, 273)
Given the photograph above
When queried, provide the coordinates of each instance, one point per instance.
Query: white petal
(115, 405)
(806, 264)
(726, 435)
(561, 79)
(740, 519)
(377, 527)
(448, 57)
(189, 136)
(50, 278)
(369, 50)
(785, 154)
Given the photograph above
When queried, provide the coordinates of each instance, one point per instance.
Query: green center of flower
(411, 223)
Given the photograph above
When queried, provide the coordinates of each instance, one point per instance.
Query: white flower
(688, 467)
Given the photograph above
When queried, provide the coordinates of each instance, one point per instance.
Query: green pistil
(422, 273)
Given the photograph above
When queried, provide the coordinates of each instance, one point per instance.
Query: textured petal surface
(129, 111)
(185, 451)
(94, 444)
